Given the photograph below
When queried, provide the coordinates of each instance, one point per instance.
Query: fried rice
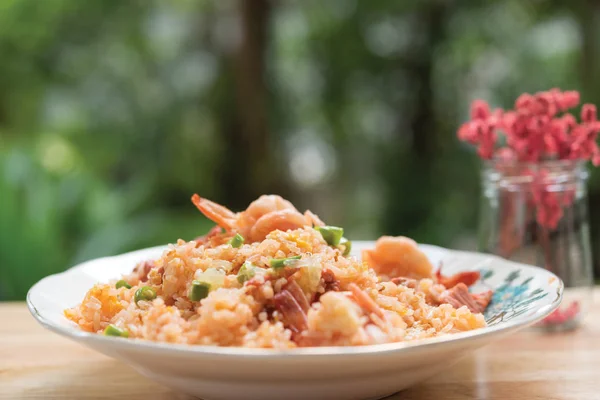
(292, 288)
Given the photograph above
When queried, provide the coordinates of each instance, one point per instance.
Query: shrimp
(283, 220)
(263, 215)
(467, 277)
(398, 257)
(365, 302)
(217, 213)
(316, 221)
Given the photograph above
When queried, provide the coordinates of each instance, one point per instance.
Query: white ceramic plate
(523, 295)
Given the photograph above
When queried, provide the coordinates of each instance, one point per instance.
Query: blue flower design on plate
(511, 299)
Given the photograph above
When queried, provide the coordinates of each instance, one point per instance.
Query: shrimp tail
(468, 278)
(365, 302)
(217, 213)
(313, 218)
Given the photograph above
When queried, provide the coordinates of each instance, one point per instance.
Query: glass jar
(536, 213)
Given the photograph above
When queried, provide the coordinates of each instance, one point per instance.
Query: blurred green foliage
(112, 113)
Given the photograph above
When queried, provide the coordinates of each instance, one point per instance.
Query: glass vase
(536, 213)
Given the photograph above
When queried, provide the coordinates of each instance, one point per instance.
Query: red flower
(588, 113)
(569, 99)
(480, 110)
(481, 130)
(534, 131)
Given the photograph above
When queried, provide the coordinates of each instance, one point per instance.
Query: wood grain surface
(38, 364)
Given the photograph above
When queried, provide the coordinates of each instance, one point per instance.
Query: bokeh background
(112, 113)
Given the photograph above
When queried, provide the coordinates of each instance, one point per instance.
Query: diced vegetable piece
(112, 330)
(347, 245)
(309, 273)
(277, 263)
(331, 234)
(199, 290)
(145, 293)
(213, 276)
(122, 283)
(246, 272)
(236, 241)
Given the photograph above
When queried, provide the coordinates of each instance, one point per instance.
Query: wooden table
(38, 364)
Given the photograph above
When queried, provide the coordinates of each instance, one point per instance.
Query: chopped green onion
(277, 263)
(237, 241)
(199, 290)
(331, 234)
(112, 330)
(347, 246)
(122, 283)
(246, 272)
(145, 293)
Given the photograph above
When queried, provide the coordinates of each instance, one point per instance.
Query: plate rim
(72, 332)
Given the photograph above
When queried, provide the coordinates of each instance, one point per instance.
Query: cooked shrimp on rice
(273, 277)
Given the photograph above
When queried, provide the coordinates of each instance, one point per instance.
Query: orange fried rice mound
(289, 290)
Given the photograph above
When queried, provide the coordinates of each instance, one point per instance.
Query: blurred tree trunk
(410, 177)
(423, 125)
(249, 167)
(586, 12)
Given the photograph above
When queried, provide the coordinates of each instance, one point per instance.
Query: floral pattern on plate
(512, 298)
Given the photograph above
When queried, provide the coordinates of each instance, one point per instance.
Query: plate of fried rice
(273, 303)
